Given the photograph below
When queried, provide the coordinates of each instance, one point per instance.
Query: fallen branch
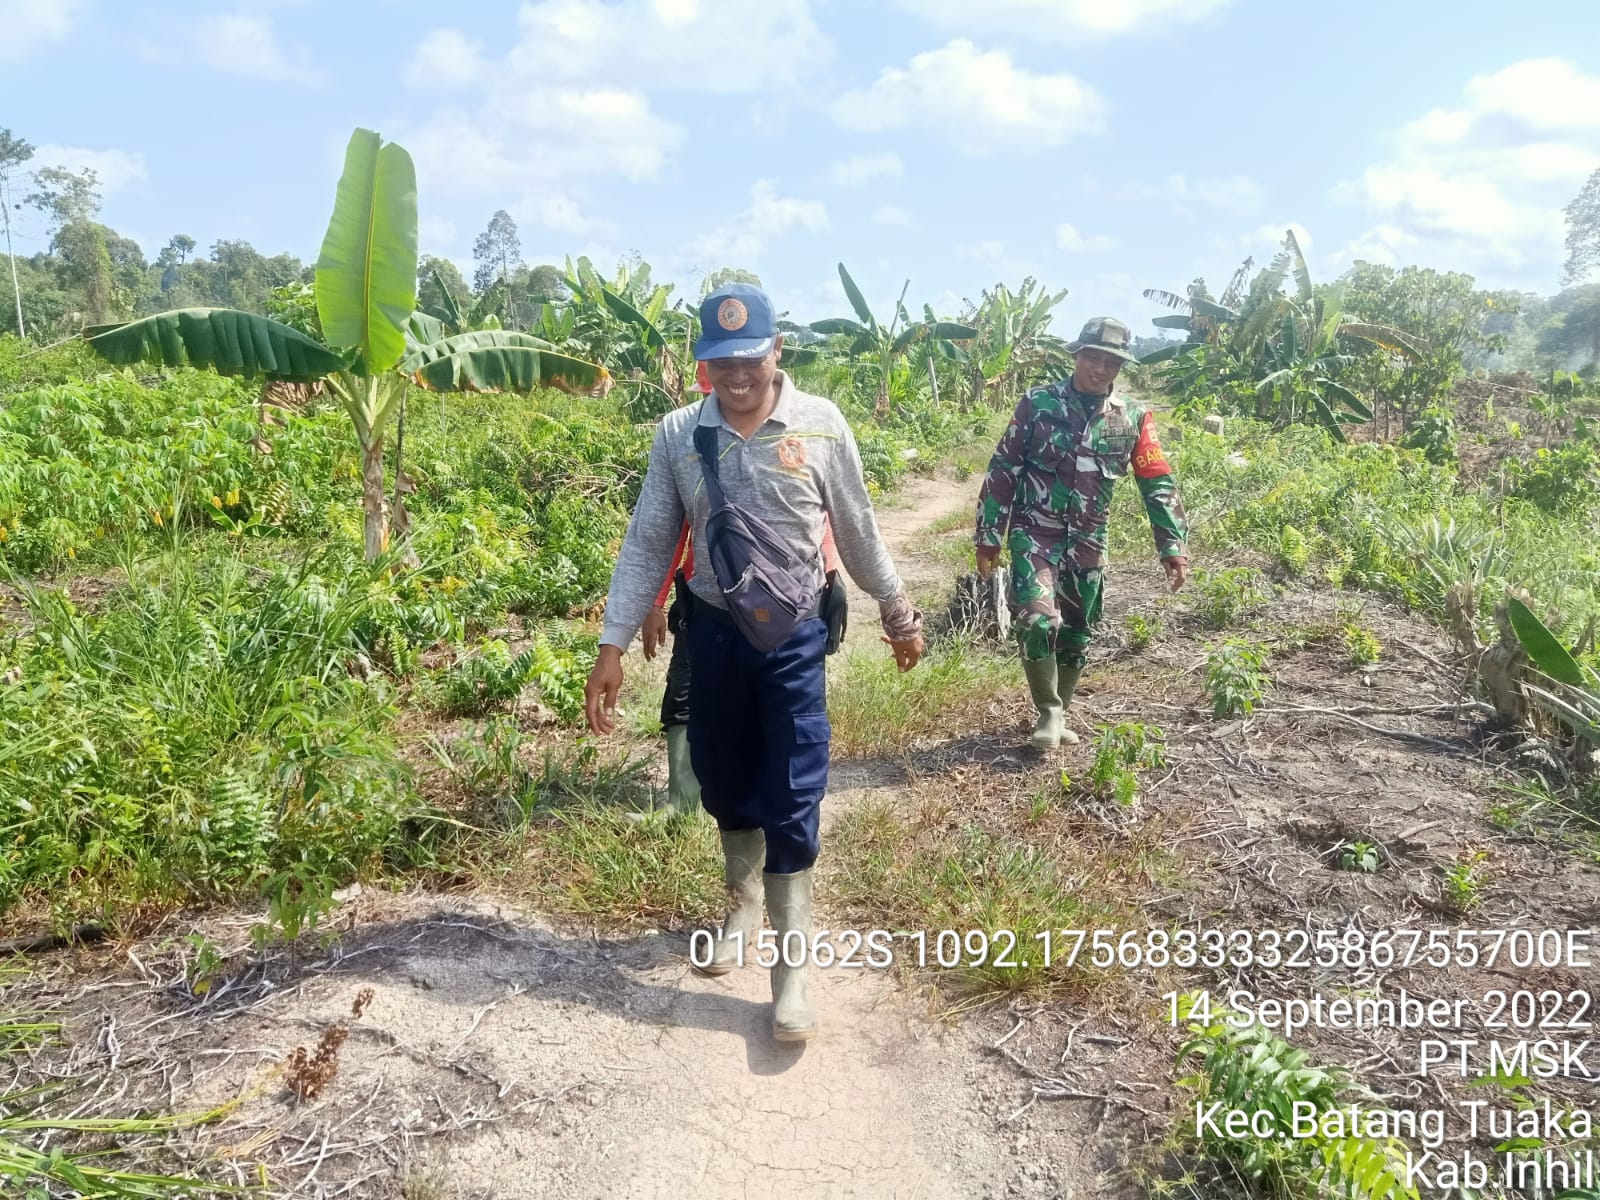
(1402, 734)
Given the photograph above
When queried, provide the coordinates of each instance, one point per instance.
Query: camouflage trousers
(1054, 605)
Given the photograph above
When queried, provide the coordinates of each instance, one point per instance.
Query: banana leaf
(941, 330)
(1162, 355)
(650, 335)
(423, 329)
(1387, 336)
(857, 300)
(228, 341)
(838, 325)
(1546, 651)
(1326, 418)
(797, 356)
(1353, 402)
(1297, 260)
(451, 314)
(490, 304)
(1170, 299)
(367, 271)
(499, 360)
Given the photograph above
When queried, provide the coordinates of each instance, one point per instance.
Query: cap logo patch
(731, 314)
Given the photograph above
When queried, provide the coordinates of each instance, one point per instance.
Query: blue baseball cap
(736, 321)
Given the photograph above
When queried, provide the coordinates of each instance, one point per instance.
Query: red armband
(677, 561)
(1149, 459)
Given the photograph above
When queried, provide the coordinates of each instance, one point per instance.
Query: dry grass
(596, 863)
(970, 851)
(876, 710)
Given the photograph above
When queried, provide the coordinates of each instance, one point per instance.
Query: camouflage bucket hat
(1108, 334)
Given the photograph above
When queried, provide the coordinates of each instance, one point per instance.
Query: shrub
(1227, 595)
(1433, 433)
(1235, 676)
(1121, 752)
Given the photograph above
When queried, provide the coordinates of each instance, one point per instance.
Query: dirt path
(501, 1057)
(512, 1061)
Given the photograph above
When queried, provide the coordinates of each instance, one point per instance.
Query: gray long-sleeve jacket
(802, 462)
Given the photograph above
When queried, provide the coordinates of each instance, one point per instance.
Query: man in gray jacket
(758, 725)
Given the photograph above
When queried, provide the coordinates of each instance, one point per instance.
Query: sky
(1102, 146)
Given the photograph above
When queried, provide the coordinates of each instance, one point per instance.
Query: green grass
(926, 874)
(591, 861)
(876, 710)
(949, 523)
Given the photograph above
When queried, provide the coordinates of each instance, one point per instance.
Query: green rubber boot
(744, 853)
(1050, 730)
(789, 905)
(1066, 684)
(683, 789)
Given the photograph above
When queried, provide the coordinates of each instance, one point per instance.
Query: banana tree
(884, 346)
(1012, 346)
(1287, 347)
(377, 345)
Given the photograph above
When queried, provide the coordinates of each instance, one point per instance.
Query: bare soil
(503, 1055)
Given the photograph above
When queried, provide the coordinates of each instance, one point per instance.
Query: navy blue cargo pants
(758, 733)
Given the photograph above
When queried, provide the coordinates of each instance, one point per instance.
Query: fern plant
(1252, 1069)
(487, 679)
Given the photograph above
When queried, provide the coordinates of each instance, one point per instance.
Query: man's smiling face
(743, 385)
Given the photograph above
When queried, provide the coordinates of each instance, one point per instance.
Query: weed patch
(924, 875)
(875, 709)
(592, 861)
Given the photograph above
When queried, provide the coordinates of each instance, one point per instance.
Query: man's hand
(987, 557)
(654, 633)
(907, 651)
(600, 693)
(1177, 570)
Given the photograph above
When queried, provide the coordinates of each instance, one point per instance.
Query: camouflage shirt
(1056, 466)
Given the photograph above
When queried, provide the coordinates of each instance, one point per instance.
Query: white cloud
(1481, 185)
(567, 98)
(563, 213)
(1264, 241)
(444, 59)
(1546, 93)
(861, 169)
(1386, 244)
(989, 251)
(741, 241)
(980, 100)
(246, 44)
(1068, 238)
(30, 24)
(578, 132)
(730, 46)
(1236, 193)
(115, 170)
(890, 214)
(1065, 21)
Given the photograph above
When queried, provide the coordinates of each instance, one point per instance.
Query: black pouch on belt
(835, 611)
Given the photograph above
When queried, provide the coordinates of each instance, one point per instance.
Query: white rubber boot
(744, 852)
(789, 905)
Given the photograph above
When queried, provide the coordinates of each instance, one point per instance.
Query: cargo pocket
(808, 764)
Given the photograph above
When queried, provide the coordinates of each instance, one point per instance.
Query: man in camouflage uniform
(1051, 480)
